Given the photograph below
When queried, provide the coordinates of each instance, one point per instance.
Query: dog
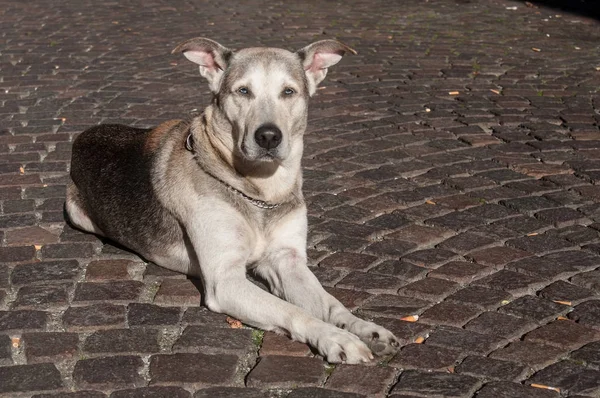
(220, 194)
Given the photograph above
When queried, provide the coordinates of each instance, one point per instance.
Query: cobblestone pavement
(451, 172)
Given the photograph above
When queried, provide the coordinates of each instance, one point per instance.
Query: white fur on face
(266, 104)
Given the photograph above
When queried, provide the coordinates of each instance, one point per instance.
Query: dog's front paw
(339, 346)
(380, 340)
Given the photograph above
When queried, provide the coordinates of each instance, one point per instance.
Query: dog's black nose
(268, 136)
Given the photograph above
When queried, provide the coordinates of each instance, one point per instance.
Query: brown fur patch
(156, 137)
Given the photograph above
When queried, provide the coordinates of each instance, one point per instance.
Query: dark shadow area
(585, 8)
(200, 286)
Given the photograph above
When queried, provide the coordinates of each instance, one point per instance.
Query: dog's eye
(289, 91)
(243, 90)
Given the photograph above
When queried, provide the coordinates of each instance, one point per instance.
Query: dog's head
(262, 93)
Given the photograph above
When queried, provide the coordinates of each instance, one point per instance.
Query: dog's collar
(189, 145)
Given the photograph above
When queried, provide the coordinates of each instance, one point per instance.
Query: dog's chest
(259, 233)
(258, 248)
(276, 231)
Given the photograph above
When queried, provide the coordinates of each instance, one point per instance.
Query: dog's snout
(268, 136)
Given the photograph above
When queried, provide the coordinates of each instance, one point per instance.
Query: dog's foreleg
(289, 278)
(286, 271)
(238, 297)
(222, 244)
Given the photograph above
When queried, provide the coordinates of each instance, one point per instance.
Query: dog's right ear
(319, 56)
(210, 55)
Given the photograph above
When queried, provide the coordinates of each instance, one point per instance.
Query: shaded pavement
(451, 173)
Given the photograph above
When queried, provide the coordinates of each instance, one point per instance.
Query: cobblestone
(534, 308)
(46, 347)
(569, 378)
(120, 371)
(45, 271)
(22, 320)
(533, 354)
(513, 390)
(122, 341)
(589, 280)
(207, 338)
(450, 171)
(464, 340)
(587, 313)
(309, 392)
(370, 282)
(432, 384)
(561, 291)
(105, 291)
(423, 356)
(94, 316)
(497, 256)
(466, 242)
(563, 334)
(152, 392)
(511, 282)
(539, 244)
(77, 394)
(177, 292)
(449, 313)
(387, 304)
(543, 267)
(107, 270)
(460, 271)
(38, 377)
(274, 344)
(192, 368)
(369, 380)
(38, 297)
(348, 260)
(491, 368)
(480, 296)
(224, 392)
(588, 354)
(430, 258)
(432, 289)
(5, 350)
(498, 324)
(139, 314)
(283, 372)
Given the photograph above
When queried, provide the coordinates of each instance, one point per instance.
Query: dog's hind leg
(75, 210)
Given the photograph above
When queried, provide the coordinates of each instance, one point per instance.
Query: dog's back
(111, 170)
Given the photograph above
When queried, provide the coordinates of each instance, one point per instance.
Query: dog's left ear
(210, 55)
(319, 56)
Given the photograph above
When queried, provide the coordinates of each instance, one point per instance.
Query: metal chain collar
(256, 202)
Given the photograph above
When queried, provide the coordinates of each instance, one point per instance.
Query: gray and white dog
(220, 194)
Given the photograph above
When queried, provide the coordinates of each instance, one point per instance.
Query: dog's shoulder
(156, 138)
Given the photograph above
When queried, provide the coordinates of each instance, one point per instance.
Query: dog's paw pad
(382, 348)
(380, 340)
